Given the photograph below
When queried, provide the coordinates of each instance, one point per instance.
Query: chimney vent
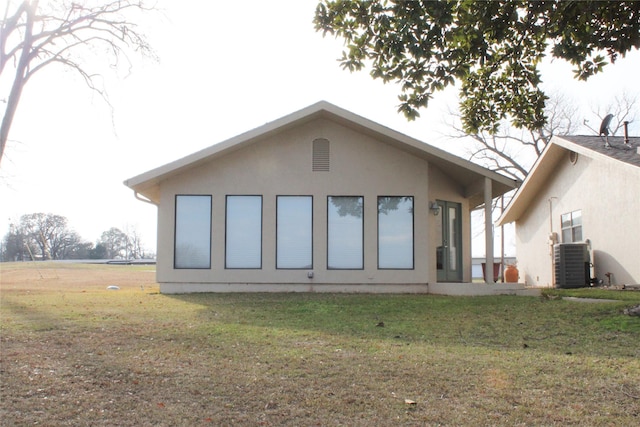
(626, 132)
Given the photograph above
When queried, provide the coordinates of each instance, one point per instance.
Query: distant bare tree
(34, 36)
(136, 249)
(48, 236)
(70, 246)
(115, 242)
(49, 233)
(624, 109)
(14, 245)
(513, 151)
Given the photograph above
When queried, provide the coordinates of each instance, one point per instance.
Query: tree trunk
(20, 79)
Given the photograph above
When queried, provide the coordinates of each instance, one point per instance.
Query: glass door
(449, 249)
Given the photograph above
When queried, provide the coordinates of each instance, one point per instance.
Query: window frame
(413, 234)
(176, 230)
(362, 240)
(573, 226)
(226, 232)
(306, 196)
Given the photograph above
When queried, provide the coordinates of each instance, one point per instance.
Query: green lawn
(74, 353)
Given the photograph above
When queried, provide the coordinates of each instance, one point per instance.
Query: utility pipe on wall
(552, 240)
(502, 239)
(488, 231)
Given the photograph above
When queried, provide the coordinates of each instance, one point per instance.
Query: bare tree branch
(513, 151)
(63, 33)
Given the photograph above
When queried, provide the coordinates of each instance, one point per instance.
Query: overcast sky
(225, 68)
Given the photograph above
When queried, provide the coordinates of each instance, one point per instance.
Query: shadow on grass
(232, 358)
(494, 322)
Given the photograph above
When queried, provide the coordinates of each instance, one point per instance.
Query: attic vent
(320, 155)
(573, 157)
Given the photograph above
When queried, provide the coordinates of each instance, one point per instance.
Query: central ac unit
(571, 265)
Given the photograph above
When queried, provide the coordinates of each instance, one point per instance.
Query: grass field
(74, 353)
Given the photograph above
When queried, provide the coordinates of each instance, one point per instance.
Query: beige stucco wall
(281, 165)
(608, 193)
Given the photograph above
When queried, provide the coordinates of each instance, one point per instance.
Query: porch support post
(488, 231)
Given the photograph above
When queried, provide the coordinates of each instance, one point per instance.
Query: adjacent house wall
(608, 194)
(281, 165)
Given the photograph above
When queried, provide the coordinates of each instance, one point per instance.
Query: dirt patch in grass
(54, 277)
(75, 353)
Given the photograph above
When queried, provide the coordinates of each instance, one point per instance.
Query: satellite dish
(604, 129)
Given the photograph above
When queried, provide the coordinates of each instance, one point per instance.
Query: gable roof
(469, 175)
(624, 155)
(596, 144)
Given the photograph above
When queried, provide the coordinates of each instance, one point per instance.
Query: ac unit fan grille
(571, 265)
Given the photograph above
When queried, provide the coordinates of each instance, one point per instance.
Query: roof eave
(542, 168)
(467, 172)
(148, 180)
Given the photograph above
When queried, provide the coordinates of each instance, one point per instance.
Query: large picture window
(244, 232)
(294, 225)
(345, 237)
(193, 232)
(395, 232)
(572, 227)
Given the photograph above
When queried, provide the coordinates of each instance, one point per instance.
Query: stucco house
(319, 200)
(580, 203)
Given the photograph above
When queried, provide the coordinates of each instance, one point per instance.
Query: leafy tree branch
(491, 49)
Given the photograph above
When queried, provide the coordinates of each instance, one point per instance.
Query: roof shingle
(625, 153)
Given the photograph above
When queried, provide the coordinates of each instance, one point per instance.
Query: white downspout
(143, 199)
